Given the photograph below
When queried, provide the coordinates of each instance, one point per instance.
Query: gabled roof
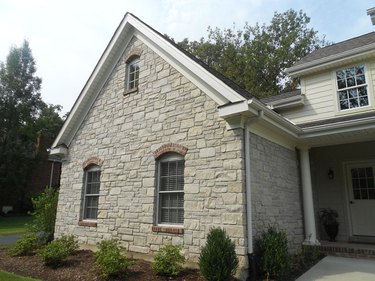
(339, 52)
(221, 89)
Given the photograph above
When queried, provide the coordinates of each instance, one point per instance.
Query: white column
(308, 204)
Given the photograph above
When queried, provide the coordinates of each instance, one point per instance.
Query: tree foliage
(22, 115)
(256, 57)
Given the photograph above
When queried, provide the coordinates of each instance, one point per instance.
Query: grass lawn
(5, 276)
(14, 225)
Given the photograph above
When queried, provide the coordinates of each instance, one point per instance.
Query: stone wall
(276, 193)
(123, 130)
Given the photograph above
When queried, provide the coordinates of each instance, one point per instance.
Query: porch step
(353, 250)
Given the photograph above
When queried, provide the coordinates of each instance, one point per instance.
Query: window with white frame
(170, 189)
(352, 87)
(132, 74)
(91, 193)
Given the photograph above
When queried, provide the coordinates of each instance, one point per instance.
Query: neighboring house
(159, 148)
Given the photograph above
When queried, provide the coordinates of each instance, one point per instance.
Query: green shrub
(218, 260)
(307, 257)
(25, 245)
(45, 206)
(168, 261)
(58, 250)
(109, 260)
(272, 255)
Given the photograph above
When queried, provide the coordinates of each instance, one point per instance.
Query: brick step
(348, 250)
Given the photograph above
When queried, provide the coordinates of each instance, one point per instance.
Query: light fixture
(331, 174)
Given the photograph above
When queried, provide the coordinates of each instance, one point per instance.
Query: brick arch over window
(170, 147)
(134, 53)
(92, 161)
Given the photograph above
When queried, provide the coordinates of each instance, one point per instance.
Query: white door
(362, 198)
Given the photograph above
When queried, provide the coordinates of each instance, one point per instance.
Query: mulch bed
(80, 266)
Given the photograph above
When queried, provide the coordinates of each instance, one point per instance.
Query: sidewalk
(341, 269)
(9, 239)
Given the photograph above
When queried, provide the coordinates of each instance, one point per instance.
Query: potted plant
(328, 217)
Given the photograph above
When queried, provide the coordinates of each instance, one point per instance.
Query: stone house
(159, 148)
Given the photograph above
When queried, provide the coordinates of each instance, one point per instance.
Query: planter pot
(332, 230)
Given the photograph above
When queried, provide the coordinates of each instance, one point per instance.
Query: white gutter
(248, 191)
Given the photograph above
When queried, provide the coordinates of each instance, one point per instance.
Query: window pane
(371, 193)
(341, 84)
(350, 72)
(353, 93)
(344, 104)
(360, 70)
(350, 82)
(364, 194)
(361, 172)
(353, 103)
(362, 91)
(363, 101)
(361, 80)
(91, 208)
(343, 95)
(340, 75)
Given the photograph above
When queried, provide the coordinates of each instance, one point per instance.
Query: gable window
(171, 189)
(132, 74)
(352, 87)
(91, 193)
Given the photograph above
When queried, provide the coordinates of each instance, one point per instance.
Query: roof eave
(326, 62)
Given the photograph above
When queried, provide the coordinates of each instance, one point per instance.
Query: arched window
(170, 189)
(91, 192)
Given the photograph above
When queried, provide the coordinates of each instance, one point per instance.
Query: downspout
(249, 222)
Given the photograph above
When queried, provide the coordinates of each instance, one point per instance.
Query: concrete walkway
(341, 269)
(9, 239)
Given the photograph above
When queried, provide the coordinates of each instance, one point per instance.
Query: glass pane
(341, 84)
(354, 173)
(371, 193)
(343, 95)
(361, 80)
(353, 103)
(357, 194)
(370, 183)
(344, 104)
(364, 194)
(362, 91)
(361, 172)
(353, 93)
(355, 183)
(360, 70)
(363, 183)
(350, 82)
(363, 101)
(340, 75)
(350, 72)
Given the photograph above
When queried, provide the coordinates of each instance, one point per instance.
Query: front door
(361, 186)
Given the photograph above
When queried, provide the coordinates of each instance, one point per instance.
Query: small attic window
(352, 88)
(132, 76)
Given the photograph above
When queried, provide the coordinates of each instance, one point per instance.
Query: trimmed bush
(25, 245)
(168, 261)
(218, 260)
(110, 261)
(45, 206)
(273, 258)
(54, 253)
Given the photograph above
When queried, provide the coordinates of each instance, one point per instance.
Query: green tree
(22, 115)
(256, 56)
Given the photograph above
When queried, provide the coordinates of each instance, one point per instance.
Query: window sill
(168, 229)
(129, 91)
(88, 223)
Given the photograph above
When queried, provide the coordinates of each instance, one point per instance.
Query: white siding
(321, 98)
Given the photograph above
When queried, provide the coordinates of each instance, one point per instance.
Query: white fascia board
(59, 151)
(342, 127)
(287, 103)
(233, 109)
(298, 70)
(211, 85)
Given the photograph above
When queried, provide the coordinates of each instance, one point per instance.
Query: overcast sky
(68, 37)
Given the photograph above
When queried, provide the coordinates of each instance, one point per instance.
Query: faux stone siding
(123, 131)
(276, 198)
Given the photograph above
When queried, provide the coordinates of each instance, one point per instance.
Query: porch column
(308, 204)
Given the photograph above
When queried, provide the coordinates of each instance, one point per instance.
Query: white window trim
(93, 168)
(166, 158)
(368, 85)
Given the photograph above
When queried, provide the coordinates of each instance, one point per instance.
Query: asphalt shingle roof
(337, 48)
